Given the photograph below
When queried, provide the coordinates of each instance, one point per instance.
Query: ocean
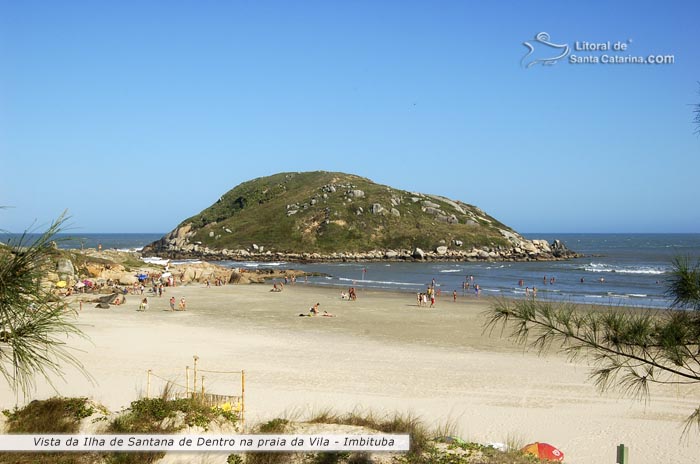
(617, 269)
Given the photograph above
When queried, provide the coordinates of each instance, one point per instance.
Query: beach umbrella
(543, 451)
(61, 283)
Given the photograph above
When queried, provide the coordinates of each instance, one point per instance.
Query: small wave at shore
(378, 282)
(256, 264)
(599, 267)
(165, 261)
(155, 260)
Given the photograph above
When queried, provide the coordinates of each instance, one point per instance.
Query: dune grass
(52, 416)
(436, 445)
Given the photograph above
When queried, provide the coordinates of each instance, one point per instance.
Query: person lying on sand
(325, 314)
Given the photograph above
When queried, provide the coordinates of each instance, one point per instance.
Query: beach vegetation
(630, 349)
(161, 415)
(34, 324)
(56, 415)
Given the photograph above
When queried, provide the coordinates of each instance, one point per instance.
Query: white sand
(381, 353)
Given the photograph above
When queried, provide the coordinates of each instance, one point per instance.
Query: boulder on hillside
(418, 253)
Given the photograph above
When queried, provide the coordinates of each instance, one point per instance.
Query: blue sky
(136, 115)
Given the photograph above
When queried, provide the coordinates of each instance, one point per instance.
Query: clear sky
(134, 115)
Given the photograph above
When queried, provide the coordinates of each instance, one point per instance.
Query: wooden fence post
(622, 454)
(243, 400)
(148, 385)
(194, 382)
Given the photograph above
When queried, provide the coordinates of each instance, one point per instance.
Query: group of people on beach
(182, 306)
(314, 311)
(423, 297)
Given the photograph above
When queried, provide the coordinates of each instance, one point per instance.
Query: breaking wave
(651, 270)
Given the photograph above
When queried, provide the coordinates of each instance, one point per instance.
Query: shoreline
(380, 353)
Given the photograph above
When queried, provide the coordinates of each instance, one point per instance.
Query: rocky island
(333, 216)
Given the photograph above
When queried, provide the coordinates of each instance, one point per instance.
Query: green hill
(332, 212)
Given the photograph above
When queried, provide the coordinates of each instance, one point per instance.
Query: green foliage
(396, 424)
(331, 458)
(55, 415)
(33, 323)
(326, 221)
(684, 283)
(277, 425)
(234, 459)
(148, 415)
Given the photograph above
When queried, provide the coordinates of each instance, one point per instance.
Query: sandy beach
(381, 353)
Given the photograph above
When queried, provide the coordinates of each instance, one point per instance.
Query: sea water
(617, 269)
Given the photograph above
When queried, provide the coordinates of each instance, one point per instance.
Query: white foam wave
(380, 282)
(155, 260)
(255, 264)
(451, 270)
(598, 267)
(130, 250)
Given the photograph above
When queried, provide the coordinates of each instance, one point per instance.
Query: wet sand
(381, 353)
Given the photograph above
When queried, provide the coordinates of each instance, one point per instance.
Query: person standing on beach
(314, 309)
(454, 296)
(172, 303)
(183, 304)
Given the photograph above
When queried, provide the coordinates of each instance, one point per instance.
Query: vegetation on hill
(327, 212)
